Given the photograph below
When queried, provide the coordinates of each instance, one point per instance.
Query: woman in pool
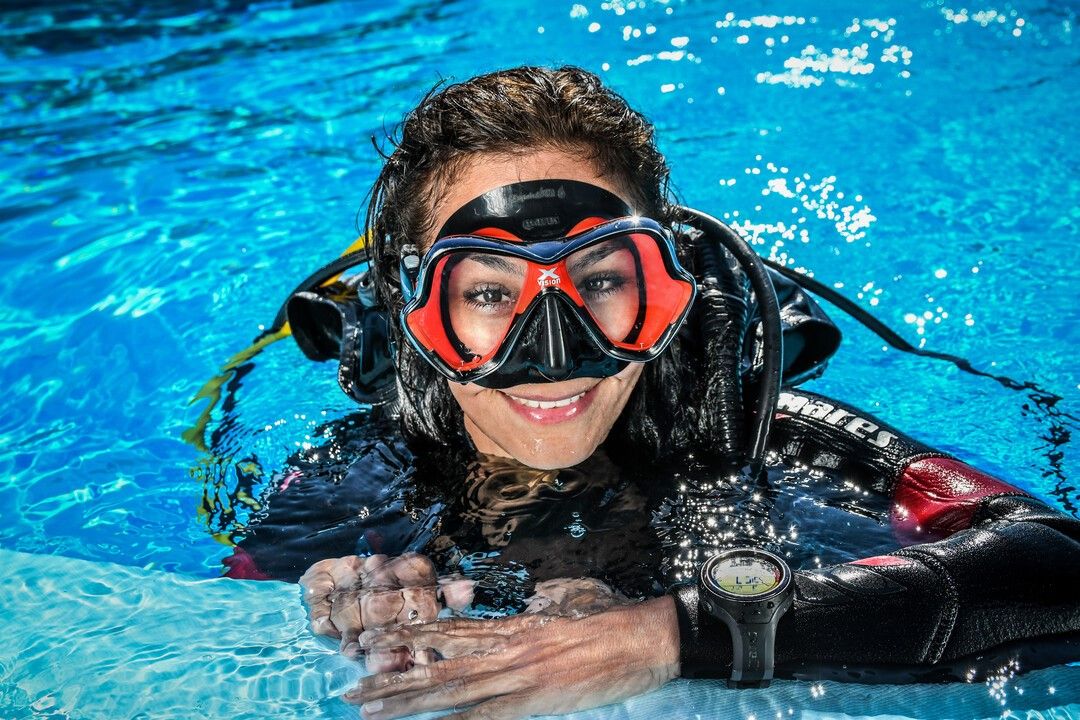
(522, 233)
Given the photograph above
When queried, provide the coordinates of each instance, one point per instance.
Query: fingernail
(371, 707)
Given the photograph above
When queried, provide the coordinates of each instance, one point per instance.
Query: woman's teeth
(547, 404)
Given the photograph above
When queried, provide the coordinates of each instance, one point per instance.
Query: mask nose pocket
(552, 341)
(555, 345)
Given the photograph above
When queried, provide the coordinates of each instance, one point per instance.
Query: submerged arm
(345, 497)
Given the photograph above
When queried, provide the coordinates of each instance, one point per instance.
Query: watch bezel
(707, 582)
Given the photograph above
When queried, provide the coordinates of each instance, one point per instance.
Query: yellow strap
(196, 434)
(358, 244)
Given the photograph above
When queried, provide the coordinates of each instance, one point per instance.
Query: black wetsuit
(979, 566)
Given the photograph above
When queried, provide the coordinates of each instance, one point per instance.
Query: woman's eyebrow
(498, 263)
(594, 255)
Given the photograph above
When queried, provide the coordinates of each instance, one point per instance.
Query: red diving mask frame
(475, 300)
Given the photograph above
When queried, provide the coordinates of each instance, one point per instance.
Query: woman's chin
(556, 446)
(554, 459)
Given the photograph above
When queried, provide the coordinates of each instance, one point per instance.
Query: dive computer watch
(748, 590)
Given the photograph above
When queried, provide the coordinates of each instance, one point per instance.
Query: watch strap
(704, 642)
(753, 635)
(752, 654)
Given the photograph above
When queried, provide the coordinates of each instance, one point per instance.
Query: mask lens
(626, 287)
(481, 298)
(608, 278)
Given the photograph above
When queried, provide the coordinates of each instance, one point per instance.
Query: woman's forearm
(1009, 580)
(989, 566)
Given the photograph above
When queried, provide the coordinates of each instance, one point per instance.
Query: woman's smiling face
(543, 425)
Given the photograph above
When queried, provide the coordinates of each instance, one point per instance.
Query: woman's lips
(557, 410)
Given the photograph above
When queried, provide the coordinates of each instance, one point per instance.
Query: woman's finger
(334, 613)
(376, 571)
(318, 584)
(457, 592)
(420, 605)
(389, 662)
(345, 572)
(420, 677)
(424, 657)
(450, 638)
(449, 646)
(345, 615)
(398, 591)
(510, 707)
(413, 570)
(454, 636)
(380, 607)
(317, 580)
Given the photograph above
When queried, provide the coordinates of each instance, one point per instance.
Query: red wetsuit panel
(242, 566)
(882, 561)
(936, 497)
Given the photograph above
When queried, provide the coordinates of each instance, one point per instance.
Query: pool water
(170, 171)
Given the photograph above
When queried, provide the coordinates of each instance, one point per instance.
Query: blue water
(169, 172)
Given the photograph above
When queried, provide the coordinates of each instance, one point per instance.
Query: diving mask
(544, 281)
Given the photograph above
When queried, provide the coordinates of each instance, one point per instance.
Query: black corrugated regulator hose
(772, 338)
(722, 317)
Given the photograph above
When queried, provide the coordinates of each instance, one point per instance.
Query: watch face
(746, 574)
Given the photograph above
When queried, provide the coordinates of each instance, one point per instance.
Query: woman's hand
(573, 597)
(351, 594)
(533, 663)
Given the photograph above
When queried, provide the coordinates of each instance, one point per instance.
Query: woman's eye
(602, 284)
(488, 296)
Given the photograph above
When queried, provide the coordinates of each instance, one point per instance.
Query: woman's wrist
(646, 636)
(667, 641)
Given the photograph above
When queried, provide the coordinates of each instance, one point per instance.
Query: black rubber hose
(722, 325)
(772, 336)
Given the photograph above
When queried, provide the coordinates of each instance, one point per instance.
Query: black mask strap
(535, 210)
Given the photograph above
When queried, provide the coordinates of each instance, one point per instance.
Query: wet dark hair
(510, 112)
